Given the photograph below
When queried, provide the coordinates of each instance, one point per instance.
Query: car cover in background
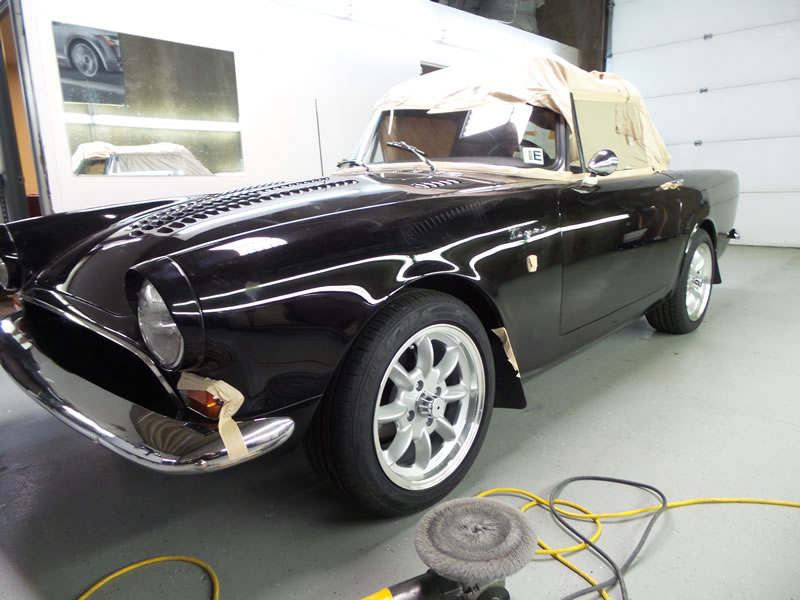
(163, 158)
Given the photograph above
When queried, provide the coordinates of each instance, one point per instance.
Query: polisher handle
(428, 586)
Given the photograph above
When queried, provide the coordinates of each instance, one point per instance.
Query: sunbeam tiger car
(491, 221)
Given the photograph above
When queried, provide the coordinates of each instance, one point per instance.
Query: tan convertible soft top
(611, 111)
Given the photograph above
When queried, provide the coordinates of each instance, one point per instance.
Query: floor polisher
(470, 545)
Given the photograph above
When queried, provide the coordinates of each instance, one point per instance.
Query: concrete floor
(714, 413)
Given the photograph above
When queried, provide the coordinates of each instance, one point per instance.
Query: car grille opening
(97, 359)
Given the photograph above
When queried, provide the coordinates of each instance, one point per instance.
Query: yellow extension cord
(534, 500)
(590, 516)
(150, 561)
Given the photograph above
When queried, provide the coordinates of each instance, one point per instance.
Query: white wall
(343, 53)
(748, 120)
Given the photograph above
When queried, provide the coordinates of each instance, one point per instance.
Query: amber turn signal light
(205, 403)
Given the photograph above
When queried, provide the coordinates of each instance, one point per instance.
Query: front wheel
(411, 405)
(685, 308)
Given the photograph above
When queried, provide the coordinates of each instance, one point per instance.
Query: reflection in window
(513, 135)
(164, 158)
(140, 106)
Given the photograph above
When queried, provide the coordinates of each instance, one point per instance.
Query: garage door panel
(745, 57)
(766, 220)
(762, 165)
(734, 113)
(647, 23)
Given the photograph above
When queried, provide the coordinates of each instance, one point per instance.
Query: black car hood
(94, 270)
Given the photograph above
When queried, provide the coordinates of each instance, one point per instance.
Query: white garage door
(722, 82)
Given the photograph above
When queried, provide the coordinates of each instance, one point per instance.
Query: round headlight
(3, 274)
(158, 329)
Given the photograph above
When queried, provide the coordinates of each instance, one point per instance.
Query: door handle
(671, 185)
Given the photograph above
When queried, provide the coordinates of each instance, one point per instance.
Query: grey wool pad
(474, 540)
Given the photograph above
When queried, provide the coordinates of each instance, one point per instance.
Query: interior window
(141, 106)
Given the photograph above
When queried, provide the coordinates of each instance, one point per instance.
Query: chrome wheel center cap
(429, 405)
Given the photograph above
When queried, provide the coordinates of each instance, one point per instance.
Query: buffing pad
(474, 540)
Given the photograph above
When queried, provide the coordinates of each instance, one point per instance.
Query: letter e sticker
(533, 156)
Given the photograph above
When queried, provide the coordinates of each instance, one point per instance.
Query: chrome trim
(602, 163)
(135, 433)
(80, 319)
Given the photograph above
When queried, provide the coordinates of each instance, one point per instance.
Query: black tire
(673, 314)
(346, 444)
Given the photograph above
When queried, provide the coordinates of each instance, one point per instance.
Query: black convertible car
(490, 222)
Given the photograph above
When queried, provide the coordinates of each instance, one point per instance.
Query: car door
(619, 242)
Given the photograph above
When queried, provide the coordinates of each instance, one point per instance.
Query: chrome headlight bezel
(168, 280)
(159, 331)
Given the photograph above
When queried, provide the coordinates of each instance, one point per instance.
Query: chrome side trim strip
(135, 433)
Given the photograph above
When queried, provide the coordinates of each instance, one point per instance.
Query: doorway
(19, 190)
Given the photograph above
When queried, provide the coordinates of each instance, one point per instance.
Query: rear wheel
(685, 308)
(410, 408)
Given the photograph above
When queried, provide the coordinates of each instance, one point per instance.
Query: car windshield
(517, 135)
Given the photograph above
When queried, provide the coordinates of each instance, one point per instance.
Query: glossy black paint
(271, 285)
(620, 238)
(165, 274)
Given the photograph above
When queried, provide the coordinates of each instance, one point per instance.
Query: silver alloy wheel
(698, 282)
(84, 59)
(429, 407)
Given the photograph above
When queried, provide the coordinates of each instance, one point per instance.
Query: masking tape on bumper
(231, 401)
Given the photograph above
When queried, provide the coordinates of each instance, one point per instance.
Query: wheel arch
(708, 226)
(508, 386)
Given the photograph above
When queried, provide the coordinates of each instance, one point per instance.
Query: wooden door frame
(13, 8)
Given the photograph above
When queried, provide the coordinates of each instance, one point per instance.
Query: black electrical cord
(619, 572)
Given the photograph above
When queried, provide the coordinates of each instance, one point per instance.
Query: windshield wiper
(351, 162)
(415, 151)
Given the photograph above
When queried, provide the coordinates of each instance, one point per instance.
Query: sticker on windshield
(533, 156)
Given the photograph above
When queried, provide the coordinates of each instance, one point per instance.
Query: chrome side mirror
(604, 162)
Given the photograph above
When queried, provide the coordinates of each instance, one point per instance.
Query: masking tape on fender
(231, 401)
(502, 333)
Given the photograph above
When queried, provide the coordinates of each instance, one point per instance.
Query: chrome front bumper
(136, 433)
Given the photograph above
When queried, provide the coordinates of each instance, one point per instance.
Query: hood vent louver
(166, 221)
(436, 183)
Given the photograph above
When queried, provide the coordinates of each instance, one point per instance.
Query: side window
(540, 133)
(539, 144)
